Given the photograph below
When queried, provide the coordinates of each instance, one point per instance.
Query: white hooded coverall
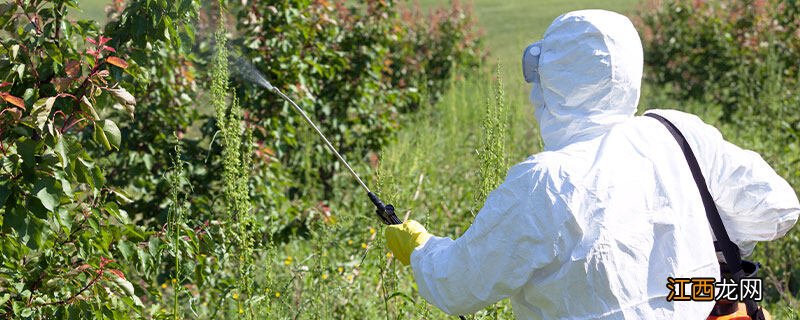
(592, 227)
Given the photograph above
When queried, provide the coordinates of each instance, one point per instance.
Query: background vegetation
(179, 190)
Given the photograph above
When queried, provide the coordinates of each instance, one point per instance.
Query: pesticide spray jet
(247, 71)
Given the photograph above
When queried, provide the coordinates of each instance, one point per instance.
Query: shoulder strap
(729, 249)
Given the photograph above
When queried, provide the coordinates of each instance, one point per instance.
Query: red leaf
(107, 48)
(92, 52)
(62, 84)
(91, 40)
(117, 273)
(83, 267)
(103, 40)
(73, 68)
(62, 95)
(13, 100)
(117, 62)
(5, 84)
(104, 261)
(15, 113)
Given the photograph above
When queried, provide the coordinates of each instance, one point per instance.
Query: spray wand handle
(384, 211)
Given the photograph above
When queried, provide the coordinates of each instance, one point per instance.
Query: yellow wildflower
(325, 276)
(371, 230)
(235, 296)
(164, 285)
(277, 294)
(350, 242)
(363, 246)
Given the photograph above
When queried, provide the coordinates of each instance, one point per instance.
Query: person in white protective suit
(592, 227)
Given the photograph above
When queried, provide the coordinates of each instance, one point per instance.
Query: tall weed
(496, 130)
(236, 168)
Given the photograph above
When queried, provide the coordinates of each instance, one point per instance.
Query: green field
(91, 9)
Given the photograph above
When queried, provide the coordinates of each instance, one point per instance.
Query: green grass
(91, 9)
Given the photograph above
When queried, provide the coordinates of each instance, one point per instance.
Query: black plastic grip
(384, 211)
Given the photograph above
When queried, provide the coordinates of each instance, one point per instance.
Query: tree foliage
(135, 184)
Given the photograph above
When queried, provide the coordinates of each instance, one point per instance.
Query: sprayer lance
(385, 212)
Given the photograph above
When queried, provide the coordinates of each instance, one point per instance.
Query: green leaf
(83, 170)
(47, 194)
(20, 70)
(125, 100)
(61, 151)
(26, 312)
(30, 230)
(16, 219)
(88, 107)
(126, 286)
(5, 191)
(125, 248)
(93, 223)
(100, 136)
(27, 149)
(121, 196)
(41, 111)
(65, 221)
(112, 133)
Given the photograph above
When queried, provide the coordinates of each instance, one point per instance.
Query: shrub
(705, 49)
(62, 232)
(159, 36)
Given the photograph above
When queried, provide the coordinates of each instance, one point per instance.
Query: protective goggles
(530, 62)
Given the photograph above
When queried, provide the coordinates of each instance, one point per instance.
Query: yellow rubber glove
(402, 239)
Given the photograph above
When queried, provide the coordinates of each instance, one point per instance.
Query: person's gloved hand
(402, 239)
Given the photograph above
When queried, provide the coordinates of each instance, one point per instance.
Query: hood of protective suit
(586, 74)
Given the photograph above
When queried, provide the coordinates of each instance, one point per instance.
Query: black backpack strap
(729, 249)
